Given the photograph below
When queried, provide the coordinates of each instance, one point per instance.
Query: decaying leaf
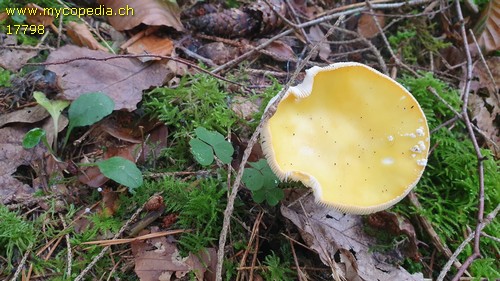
(122, 79)
(149, 12)
(152, 44)
(159, 260)
(13, 155)
(81, 36)
(279, 51)
(14, 59)
(366, 24)
(331, 233)
(40, 18)
(484, 102)
(316, 35)
(488, 27)
(26, 115)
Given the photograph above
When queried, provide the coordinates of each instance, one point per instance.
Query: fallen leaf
(488, 27)
(81, 36)
(157, 259)
(366, 24)
(396, 225)
(331, 233)
(26, 115)
(14, 59)
(316, 35)
(151, 44)
(148, 12)
(40, 17)
(484, 101)
(218, 52)
(122, 79)
(13, 155)
(279, 51)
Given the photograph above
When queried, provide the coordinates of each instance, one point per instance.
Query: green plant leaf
(210, 137)
(272, 195)
(253, 179)
(122, 171)
(53, 107)
(224, 151)
(89, 108)
(33, 137)
(209, 142)
(202, 152)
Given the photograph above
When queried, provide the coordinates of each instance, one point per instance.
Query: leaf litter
(339, 240)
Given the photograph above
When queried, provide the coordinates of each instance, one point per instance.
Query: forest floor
(130, 140)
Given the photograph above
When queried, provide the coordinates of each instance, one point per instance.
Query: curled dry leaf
(331, 233)
(122, 79)
(279, 51)
(151, 44)
(40, 18)
(366, 24)
(25, 115)
(149, 12)
(81, 36)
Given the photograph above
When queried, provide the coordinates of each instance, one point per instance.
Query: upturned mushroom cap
(355, 136)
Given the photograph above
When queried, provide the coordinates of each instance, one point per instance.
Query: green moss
(16, 235)
(448, 189)
(198, 101)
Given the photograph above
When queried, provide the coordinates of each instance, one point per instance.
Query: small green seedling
(209, 144)
(263, 183)
(88, 109)
(122, 171)
(85, 110)
(55, 109)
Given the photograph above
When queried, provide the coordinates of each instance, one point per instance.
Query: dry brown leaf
(81, 36)
(489, 27)
(366, 24)
(3, 16)
(394, 224)
(122, 79)
(279, 51)
(218, 52)
(328, 233)
(485, 108)
(26, 115)
(152, 44)
(13, 155)
(40, 17)
(149, 12)
(316, 35)
(14, 59)
(161, 260)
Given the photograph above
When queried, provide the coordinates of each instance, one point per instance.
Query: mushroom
(355, 136)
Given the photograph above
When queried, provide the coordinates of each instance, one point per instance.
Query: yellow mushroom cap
(355, 136)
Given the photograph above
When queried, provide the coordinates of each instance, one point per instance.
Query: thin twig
(253, 140)
(461, 247)
(68, 246)
(386, 41)
(105, 249)
(480, 169)
(112, 57)
(490, 75)
(22, 263)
